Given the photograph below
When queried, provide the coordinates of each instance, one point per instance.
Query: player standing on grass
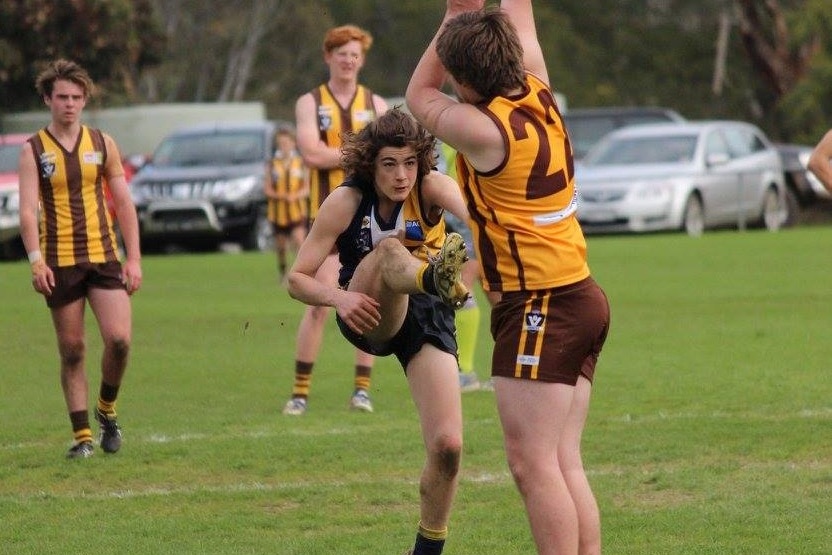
(399, 282)
(322, 115)
(288, 194)
(69, 236)
(549, 318)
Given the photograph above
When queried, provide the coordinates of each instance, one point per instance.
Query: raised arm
(521, 14)
(461, 125)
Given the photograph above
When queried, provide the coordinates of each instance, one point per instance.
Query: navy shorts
(428, 320)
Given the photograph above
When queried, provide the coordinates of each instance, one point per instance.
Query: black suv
(586, 126)
(205, 184)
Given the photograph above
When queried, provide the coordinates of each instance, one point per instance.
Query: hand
(358, 311)
(43, 280)
(131, 275)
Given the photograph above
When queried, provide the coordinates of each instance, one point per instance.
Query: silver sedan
(687, 176)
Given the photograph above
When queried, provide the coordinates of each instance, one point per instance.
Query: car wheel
(259, 236)
(694, 217)
(775, 211)
(793, 208)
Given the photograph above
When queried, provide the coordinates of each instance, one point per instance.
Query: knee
(522, 473)
(72, 352)
(119, 346)
(317, 315)
(387, 246)
(447, 451)
(387, 251)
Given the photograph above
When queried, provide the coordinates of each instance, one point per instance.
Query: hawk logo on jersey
(47, 164)
(413, 231)
(324, 118)
(534, 321)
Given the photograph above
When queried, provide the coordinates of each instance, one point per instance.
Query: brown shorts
(73, 282)
(287, 229)
(553, 335)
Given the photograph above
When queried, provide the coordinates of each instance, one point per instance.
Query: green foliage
(706, 434)
(600, 53)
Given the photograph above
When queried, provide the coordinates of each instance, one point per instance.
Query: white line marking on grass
(819, 413)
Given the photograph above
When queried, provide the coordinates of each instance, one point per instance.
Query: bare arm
(442, 191)
(521, 14)
(28, 176)
(380, 105)
(819, 161)
(460, 125)
(358, 310)
(43, 279)
(126, 217)
(316, 153)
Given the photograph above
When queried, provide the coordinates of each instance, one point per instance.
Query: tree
(114, 40)
(786, 51)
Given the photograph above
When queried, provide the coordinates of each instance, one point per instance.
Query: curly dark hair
(395, 128)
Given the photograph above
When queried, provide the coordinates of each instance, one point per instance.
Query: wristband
(34, 256)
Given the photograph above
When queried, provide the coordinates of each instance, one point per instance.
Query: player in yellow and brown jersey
(549, 318)
(386, 221)
(69, 236)
(288, 197)
(322, 115)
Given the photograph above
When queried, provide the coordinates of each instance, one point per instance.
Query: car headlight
(231, 190)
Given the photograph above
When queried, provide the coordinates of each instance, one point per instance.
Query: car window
(715, 143)
(644, 150)
(9, 158)
(743, 142)
(585, 132)
(211, 149)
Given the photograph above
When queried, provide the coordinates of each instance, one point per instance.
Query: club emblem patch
(413, 230)
(324, 118)
(47, 164)
(535, 321)
(94, 157)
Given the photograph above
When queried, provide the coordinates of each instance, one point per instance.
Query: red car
(10, 243)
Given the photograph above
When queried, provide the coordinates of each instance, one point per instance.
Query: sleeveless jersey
(287, 178)
(526, 235)
(421, 236)
(333, 120)
(75, 225)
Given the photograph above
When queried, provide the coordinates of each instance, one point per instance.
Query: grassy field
(710, 431)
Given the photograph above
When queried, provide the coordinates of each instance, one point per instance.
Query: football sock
(107, 399)
(424, 280)
(467, 330)
(430, 542)
(303, 377)
(80, 426)
(362, 377)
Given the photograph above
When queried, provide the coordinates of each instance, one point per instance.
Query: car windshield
(221, 149)
(660, 149)
(9, 158)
